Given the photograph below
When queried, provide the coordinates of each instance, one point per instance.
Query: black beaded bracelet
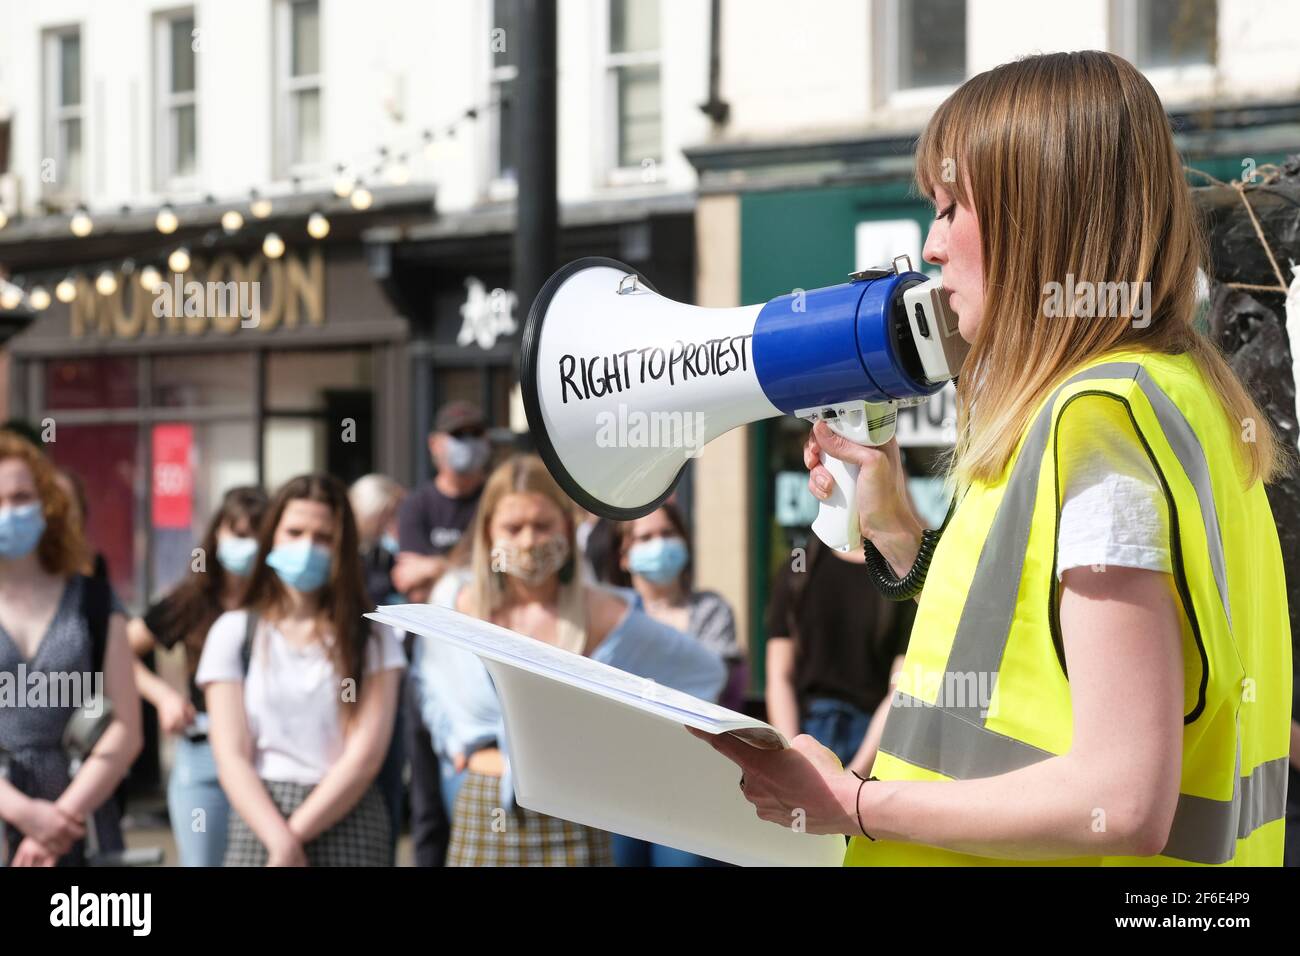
(908, 586)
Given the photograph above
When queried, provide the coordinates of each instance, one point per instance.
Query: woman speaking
(1099, 672)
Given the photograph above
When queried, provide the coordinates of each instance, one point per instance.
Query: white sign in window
(877, 243)
(932, 424)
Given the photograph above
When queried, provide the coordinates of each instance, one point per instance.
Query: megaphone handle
(837, 523)
(837, 516)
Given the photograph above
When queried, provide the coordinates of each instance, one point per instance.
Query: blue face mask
(467, 454)
(20, 530)
(389, 543)
(303, 566)
(237, 554)
(659, 559)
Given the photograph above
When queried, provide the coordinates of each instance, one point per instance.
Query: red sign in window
(173, 476)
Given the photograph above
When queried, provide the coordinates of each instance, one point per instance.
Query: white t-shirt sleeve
(221, 659)
(1114, 511)
(384, 650)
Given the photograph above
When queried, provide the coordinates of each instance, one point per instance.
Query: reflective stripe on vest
(952, 739)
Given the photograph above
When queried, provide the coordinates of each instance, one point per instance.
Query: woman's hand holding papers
(803, 786)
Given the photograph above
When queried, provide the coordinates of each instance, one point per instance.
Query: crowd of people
(308, 735)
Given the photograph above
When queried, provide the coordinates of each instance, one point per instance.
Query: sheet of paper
(498, 643)
(599, 746)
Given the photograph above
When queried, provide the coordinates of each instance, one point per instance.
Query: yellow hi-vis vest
(983, 689)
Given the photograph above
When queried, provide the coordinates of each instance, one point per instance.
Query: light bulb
(260, 207)
(11, 297)
(4, 219)
(179, 260)
(150, 278)
(361, 198)
(343, 184)
(272, 246)
(66, 290)
(106, 283)
(318, 227)
(232, 221)
(39, 298)
(81, 224)
(166, 221)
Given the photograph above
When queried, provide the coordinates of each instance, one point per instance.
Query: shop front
(245, 369)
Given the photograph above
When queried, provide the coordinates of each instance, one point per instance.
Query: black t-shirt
(846, 634)
(430, 522)
(158, 618)
(377, 569)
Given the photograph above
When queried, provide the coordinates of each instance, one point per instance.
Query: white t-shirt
(1114, 510)
(291, 695)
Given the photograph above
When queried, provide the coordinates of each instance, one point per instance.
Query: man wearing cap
(434, 516)
(430, 522)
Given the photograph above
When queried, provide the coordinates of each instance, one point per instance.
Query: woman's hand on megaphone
(885, 511)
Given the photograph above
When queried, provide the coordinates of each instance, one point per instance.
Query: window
(1163, 34)
(64, 110)
(633, 84)
(177, 120)
(298, 68)
(504, 72)
(87, 384)
(319, 414)
(194, 463)
(925, 44)
(226, 381)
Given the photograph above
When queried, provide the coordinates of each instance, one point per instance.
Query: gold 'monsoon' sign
(215, 295)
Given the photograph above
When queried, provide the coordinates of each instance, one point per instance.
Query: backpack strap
(96, 606)
(246, 649)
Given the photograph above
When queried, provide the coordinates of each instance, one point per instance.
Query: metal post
(537, 216)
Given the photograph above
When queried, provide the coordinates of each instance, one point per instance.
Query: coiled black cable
(889, 584)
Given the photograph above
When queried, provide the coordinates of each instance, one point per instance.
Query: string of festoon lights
(352, 181)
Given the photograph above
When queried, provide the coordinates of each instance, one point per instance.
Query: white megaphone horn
(622, 386)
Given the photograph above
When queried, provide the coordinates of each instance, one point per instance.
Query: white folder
(593, 744)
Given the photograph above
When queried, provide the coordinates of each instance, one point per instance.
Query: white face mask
(531, 565)
(465, 455)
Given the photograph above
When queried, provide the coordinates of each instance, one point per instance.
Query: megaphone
(622, 386)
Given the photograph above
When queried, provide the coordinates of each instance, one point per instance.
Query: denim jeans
(451, 782)
(836, 724)
(630, 852)
(200, 840)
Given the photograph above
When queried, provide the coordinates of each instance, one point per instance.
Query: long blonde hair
(1068, 161)
(518, 474)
